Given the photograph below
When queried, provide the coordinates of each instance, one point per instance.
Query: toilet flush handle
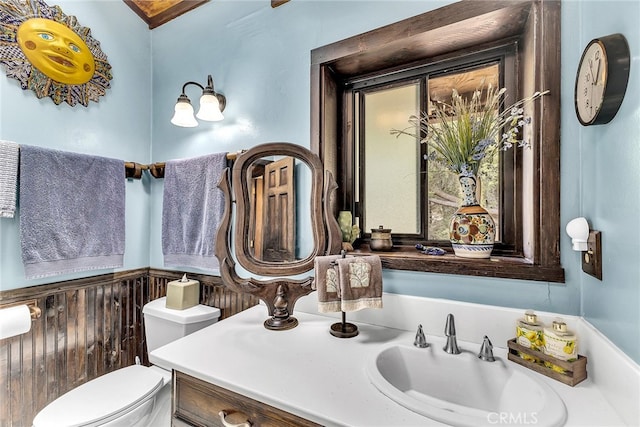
(223, 416)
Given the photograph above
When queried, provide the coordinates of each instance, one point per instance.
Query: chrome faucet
(450, 332)
(420, 341)
(486, 350)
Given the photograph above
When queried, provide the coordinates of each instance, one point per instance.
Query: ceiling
(157, 12)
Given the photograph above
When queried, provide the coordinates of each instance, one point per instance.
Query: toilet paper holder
(34, 311)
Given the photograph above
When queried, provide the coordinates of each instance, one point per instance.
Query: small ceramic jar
(381, 239)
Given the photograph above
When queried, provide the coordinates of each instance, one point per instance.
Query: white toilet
(127, 397)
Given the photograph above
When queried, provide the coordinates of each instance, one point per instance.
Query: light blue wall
(606, 162)
(259, 58)
(117, 126)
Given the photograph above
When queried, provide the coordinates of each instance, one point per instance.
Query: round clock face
(591, 83)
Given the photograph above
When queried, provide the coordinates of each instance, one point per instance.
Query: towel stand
(344, 329)
(134, 170)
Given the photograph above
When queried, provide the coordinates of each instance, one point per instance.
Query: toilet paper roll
(14, 321)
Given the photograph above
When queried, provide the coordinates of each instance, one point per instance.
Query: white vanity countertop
(310, 373)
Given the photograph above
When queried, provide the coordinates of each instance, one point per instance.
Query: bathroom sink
(462, 390)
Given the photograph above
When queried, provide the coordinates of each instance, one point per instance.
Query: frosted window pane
(392, 165)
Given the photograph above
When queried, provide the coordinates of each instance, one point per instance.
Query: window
(391, 172)
(366, 85)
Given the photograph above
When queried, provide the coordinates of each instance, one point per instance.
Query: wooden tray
(576, 371)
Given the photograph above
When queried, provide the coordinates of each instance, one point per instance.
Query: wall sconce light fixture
(211, 106)
(588, 242)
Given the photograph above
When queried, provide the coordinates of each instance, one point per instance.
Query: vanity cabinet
(198, 403)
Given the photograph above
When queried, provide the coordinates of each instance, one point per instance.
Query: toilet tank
(163, 325)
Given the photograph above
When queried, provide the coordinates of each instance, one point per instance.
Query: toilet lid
(101, 399)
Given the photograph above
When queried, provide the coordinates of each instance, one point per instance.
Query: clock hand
(595, 80)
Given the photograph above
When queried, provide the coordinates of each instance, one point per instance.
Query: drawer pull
(224, 422)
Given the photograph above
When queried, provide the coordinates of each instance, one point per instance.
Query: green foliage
(466, 131)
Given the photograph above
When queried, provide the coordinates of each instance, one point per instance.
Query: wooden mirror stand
(279, 294)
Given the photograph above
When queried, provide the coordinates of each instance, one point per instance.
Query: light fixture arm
(208, 90)
(184, 87)
(212, 105)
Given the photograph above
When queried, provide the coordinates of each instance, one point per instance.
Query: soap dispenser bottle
(529, 334)
(561, 343)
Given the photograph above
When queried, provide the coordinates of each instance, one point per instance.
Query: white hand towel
(9, 154)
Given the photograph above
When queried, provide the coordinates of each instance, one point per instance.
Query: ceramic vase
(345, 221)
(472, 231)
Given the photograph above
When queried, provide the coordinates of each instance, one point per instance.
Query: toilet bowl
(128, 396)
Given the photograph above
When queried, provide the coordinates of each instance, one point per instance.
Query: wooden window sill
(496, 266)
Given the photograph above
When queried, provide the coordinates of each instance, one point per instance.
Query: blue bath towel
(71, 212)
(192, 209)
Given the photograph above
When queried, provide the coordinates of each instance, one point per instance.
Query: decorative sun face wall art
(51, 53)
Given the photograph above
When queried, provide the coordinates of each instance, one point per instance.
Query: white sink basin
(462, 390)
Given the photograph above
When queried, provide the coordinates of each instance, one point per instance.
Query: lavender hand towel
(9, 153)
(72, 215)
(192, 208)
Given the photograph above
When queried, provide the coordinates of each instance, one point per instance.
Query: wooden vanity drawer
(197, 403)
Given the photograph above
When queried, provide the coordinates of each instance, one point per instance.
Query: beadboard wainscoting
(89, 327)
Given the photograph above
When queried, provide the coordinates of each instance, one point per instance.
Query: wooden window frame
(465, 26)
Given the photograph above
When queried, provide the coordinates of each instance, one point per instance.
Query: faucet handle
(486, 350)
(420, 340)
(450, 326)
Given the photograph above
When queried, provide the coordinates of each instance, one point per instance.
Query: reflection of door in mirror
(279, 212)
(272, 231)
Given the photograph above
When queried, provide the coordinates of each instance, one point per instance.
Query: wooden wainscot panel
(212, 291)
(89, 327)
(198, 403)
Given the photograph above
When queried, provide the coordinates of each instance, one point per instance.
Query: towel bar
(343, 329)
(134, 170)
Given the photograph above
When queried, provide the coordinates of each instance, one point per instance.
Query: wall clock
(51, 53)
(601, 81)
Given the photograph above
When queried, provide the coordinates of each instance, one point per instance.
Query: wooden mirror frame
(240, 180)
(280, 294)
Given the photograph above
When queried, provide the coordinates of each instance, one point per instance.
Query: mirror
(280, 194)
(283, 220)
(279, 227)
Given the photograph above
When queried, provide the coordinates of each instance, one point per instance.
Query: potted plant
(459, 136)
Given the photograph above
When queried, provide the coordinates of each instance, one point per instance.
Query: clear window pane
(443, 187)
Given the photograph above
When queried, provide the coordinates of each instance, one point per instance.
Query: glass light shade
(209, 109)
(183, 115)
